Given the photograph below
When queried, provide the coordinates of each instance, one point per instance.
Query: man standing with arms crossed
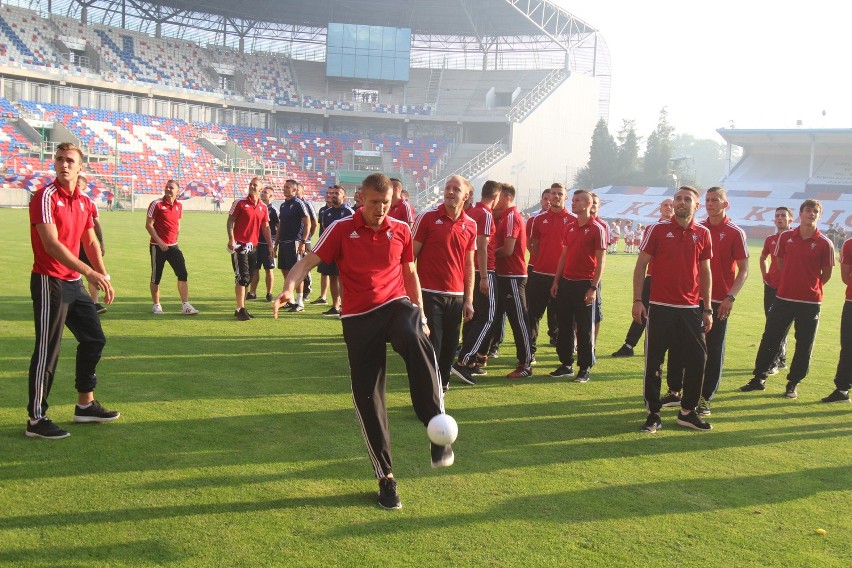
(264, 261)
(293, 227)
(247, 218)
(771, 273)
(806, 259)
(376, 259)
(634, 333)
(444, 243)
(476, 333)
(575, 287)
(60, 220)
(163, 224)
(681, 250)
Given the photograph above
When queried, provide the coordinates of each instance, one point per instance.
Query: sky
(756, 63)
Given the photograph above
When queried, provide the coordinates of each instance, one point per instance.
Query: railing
(526, 104)
(472, 167)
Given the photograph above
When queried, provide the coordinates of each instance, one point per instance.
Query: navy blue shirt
(292, 213)
(273, 224)
(329, 215)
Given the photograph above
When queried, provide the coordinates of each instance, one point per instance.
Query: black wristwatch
(708, 312)
(730, 297)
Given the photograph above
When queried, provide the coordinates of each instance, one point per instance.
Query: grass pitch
(238, 444)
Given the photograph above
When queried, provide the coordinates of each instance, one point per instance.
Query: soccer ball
(442, 429)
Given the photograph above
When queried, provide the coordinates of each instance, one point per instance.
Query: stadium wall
(552, 143)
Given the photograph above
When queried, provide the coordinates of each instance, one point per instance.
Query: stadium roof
(786, 136)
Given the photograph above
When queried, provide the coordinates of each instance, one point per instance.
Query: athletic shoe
(837, 396)
(287, 306)
(45, 428)
(754, 385)
(242, 314)
(562, 371)
(772, 371)
(703, 408)
(95, 412)
(624, 351)
(652, 424)
(319, 300)
(100, 308)
(520, 372)
(582, 376)
(297, 308)
(388, 497)
(495, 354)
(442, 456)
(790, 391)
(269, 297)
(692, 420)
(251, 296)
(481, 360)
(188, 310)
(781, 365)
(463, 372)
(332, 312)
(477, 371)
(157, 310)
(672, 399)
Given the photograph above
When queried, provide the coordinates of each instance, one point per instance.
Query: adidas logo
(353, 235)
(439, 222)
(670, 235)
(545, 222)
(60, 203)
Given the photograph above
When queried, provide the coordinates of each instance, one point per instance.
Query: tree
(628, 153)
(658, 151)
(707, 156)
(603, 160)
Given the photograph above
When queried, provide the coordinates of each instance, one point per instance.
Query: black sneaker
(562, 371)
(319, 300)
(624, 351)
(297, 308)
(287, 306)
(331, 312)
(495, 354)
(388, 497)
(45, 428)
(251, 296)
(837, 396)
(242, 315)
(670, 400)
(652, 424)
(754, 385)
(790, 390)
(772, 371)
(269, 297)
(100, 308)
(477, 371)
(781, 365)
(463, 372)
(703, 408)
(582, 376)
(95, 413)
(442, 456)
(692, 420)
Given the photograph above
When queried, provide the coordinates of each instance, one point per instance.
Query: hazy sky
(757, 63)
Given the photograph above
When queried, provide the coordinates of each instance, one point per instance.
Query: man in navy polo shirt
(267, 194)
(444, 243)
(61, 220)
(247, 218)
(681, 250)
(376, 259)
(806, 259)
(293, 227)
(163, 224)
(336, 210)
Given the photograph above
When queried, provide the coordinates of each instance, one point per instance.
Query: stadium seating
(26, 39)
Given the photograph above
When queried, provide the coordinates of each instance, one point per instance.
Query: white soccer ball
(442, 429)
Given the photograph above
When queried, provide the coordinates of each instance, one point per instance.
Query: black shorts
(328, 269)
(173, 256)
(263, 259)
(287, 257)
(243, 260)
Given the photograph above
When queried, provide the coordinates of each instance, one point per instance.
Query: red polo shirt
(370, 262)
(71, 213)
(549, 229)
(445, 244)
(729, 246)
(484, 220)
(530, 225)
(511, 226)
(677, 252)
(773, 275)
(804, 260)
(582, 242)
(403, 211)
(248, 219)
(846, 258)
(645, 231)
(166, 216)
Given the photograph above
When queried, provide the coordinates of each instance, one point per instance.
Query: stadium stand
(26, 38)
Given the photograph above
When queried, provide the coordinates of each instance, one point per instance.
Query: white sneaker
(188, 310)
(158, 310)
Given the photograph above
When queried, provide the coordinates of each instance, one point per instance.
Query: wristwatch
(730, 297)
(708, 312)
(423, 320)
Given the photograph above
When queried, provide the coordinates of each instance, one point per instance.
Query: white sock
(81, 407)
(299, 299)
(844, 393)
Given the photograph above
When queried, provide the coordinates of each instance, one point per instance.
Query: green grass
(238, 444)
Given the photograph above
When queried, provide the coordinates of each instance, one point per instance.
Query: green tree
(658, 151)
(603, 160)
(706, 156)
(628, 153)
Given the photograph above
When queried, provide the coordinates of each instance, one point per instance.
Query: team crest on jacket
(694, 238)
(721, 236)
(82, 207)
(390, 235)
(813, 246)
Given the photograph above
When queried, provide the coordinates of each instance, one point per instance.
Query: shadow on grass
(150, 552)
